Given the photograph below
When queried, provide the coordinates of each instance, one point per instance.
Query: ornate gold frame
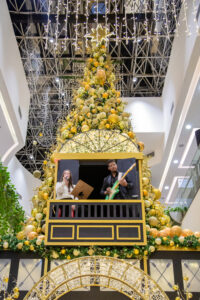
(96, 156)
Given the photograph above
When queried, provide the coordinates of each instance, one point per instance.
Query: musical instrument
(115, 187)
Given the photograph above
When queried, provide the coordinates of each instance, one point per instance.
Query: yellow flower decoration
(32, 248)
(90, 251)
(63, 251)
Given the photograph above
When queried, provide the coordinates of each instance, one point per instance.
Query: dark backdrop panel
(94, 293)
(69, 164)
(94, 175)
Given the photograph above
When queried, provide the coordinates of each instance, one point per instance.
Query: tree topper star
(99, 33)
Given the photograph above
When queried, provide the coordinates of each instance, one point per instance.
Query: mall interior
(99, 149)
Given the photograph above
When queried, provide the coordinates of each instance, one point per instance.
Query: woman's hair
(70, 178)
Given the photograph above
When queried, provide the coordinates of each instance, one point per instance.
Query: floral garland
(37, 246)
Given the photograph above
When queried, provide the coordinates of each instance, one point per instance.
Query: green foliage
(176, 209)
(11, 213)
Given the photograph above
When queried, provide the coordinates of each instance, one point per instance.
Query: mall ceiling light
(188, 126)
(175, 161)
(135, 79)
(166, 187)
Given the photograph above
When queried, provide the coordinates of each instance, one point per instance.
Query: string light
(195, 7)
(48, 24)
(116, 22)
(185, 18)
(146, 20)
(76, 25)
(134, 24)
(97, 19)
(106, 18)
(166, 19)
(57, 23)
(86, 23)
(156, 18)
(175, 17)
(63, 6)
(66, 5)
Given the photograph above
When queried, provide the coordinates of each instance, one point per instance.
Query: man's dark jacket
(123, 191)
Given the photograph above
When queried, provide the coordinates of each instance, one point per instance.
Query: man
(124, 184)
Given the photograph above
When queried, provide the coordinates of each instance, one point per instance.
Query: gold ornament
(85, 128)
(113, 118)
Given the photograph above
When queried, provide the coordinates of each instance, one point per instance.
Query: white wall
(147, 123)
(146, 113)
(24, 182)
(14, 92)
(191, 219)
(178, 76)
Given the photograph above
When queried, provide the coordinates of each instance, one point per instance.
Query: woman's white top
(62, 191)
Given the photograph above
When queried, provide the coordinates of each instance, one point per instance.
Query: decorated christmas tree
(98, 110)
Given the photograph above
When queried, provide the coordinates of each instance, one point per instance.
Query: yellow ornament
(45, 196)
(32, 248)
(63, 251)
(101, 74)
(95, 63)
(85, 128)
(20, 235)
(153, 221)
(157, 193)
(113, 118)
(73, 129)
(136, 251)
(90, 251)
(131, 134)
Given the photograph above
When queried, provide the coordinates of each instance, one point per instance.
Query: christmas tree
(97, 109)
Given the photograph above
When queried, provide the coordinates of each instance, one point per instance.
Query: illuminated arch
(109, 272)
(99, 141)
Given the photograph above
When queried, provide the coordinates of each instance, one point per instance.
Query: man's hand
(123, 182)
(108, 191)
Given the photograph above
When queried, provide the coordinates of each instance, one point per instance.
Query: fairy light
(185, 18)
(175, 17)
(146, 20)
(195, 7)
(86, 23)
(66, 5)
(97, 19)
(116, 23)
(125, 24)
(156, 18)
(76, 25)
(48, 23)
(134, 24)
(57, 23)
(106, 18)
(166, 19)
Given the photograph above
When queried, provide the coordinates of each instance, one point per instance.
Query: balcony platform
(95, 222)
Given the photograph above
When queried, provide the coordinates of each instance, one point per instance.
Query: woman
(64, 188)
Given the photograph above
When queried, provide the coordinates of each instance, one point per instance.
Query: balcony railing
(95, 222)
